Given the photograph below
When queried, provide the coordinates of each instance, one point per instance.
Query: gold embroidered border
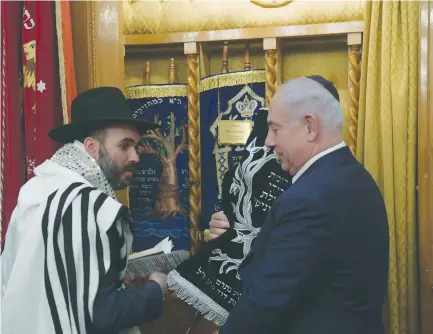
(148, 91)
(232, 79)
(3, 132)
(221, 152)
(62, 74)
(91, 42)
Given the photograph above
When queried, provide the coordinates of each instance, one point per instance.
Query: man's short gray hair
(306, 96)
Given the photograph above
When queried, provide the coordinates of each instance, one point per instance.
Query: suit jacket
(320, 263)
(116, 309)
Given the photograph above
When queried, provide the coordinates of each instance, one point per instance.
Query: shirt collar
(315, 158)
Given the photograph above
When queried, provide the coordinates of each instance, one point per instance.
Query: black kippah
(327, 84)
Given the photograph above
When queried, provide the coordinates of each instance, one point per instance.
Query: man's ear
(92, 147)
(312, 124)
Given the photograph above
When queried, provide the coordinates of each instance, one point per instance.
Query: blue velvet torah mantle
(159, 194)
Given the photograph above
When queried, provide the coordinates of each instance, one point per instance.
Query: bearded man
(69, 237)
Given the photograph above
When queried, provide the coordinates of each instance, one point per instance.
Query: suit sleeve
(118, 310)
(295, 260)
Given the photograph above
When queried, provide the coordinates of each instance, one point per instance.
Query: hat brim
(69, 132)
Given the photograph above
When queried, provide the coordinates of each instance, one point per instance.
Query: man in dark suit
(320, 262)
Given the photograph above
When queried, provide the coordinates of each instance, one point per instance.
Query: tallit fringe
(193, 296)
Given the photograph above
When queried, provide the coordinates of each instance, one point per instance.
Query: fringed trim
(62, 74)
(193, 296)
(151, 91)
(232, 79)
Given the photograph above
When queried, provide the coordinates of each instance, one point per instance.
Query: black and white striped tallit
(57, 246)
(77, 252)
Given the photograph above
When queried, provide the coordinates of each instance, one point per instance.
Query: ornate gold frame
(271, 4)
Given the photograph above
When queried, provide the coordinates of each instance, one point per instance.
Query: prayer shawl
(57, 246)
(210, 280)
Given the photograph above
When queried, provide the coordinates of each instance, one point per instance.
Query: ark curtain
(12, 154)
(159, 194)
(37, 48)
(42, 94)
(386, 143)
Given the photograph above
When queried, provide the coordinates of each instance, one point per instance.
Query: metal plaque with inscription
(234, 132)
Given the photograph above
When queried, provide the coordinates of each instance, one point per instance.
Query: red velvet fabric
(42, 95)
(12, 143)
(31, 108)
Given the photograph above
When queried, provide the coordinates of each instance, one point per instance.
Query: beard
(112, 172)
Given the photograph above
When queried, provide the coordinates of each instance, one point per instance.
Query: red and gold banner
(37, 46)
(12, 139)
(42, 94)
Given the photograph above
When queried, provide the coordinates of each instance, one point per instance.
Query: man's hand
(218, 224)
(161, 279)
(138, 280)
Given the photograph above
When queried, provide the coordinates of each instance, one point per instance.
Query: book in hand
(159, 258)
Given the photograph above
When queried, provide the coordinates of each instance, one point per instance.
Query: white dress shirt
(315, 158)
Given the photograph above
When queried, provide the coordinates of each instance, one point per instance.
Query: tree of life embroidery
(242, 186)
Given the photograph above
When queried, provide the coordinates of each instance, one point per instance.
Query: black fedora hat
(95, 109)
